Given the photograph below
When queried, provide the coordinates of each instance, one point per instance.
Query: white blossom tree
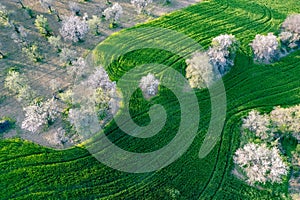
(258, 124)
(17, 84)
(291, 31)
(94, 24)
(265, 48)
(199, 71)
(56, 42)
(97, 97)
(74, 7)
(286, 120)
(67, 56)
(77, 69)
(100, 79)
(140, 5)
(39, 115)
(74, 28)
(149, 85)
(113, 13)
(222, 52)
(84, 120)
(260, 163)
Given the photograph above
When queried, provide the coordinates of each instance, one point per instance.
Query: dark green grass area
(29, 171)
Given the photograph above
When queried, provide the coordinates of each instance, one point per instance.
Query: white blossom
(100, 79)
(67, 56)
(18, 85)
(74, 7)
(94, 24)
(73, 28)
(290, 35)
(78, 68)
(265, 48)
(141, 4)
(113, 13)
(55, 42)
(260, 163)
(39, 114)
(222, 52)
(149, 85)
(259, 124)
(199, 71)
(84, 120)
(286, 120)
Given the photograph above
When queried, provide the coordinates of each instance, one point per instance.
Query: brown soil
(39, 74)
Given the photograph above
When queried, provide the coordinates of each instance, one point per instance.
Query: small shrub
(42, 25)
(33, 53)
(94, 25)
(6, 124)
(56, 42)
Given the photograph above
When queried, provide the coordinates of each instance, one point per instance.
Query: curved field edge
(30, 171)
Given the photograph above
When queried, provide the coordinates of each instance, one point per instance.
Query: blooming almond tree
(140, 5)
(260, 163)
(113, 13)
(67, 56)
(265, 48)
(149, 85)
(199, 71)
(222, 52)
(39, 114)
(291, 31)
(74, 7)
(84, 120)
(258, 124)
(17, 84)
(286, 120)
(74, 28)
(78, 68)
(100, 79)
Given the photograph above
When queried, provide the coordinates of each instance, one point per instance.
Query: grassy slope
(30, 171)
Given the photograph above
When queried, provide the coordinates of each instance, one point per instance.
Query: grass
(29, 171)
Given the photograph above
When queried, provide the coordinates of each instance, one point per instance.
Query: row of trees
(206, 67)
(262, 144)
(97, 99)
(269, 48)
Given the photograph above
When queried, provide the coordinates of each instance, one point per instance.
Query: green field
(29, 171)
